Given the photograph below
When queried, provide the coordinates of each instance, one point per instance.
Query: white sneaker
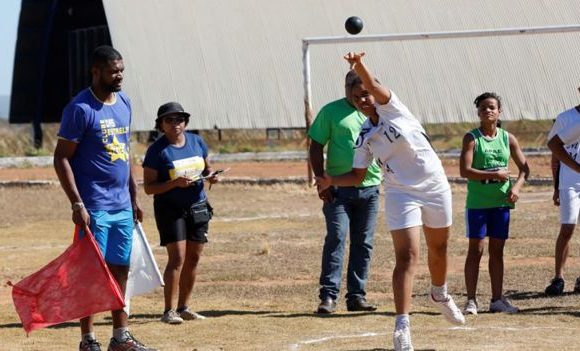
(189, 315)
(402, 339)
(470, 307)
(502, 305)
(449, 309)
(171, 317)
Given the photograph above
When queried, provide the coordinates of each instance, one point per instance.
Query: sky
(9, 13)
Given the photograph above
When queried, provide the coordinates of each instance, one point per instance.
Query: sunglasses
(174, 120)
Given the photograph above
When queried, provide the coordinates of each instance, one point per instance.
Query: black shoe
(556, 287)
(360, 304)
(90, 345)
(577, 286)
(327, 306)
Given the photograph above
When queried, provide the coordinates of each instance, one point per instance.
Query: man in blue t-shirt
(93, 165)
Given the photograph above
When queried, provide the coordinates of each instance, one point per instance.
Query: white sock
(402, 321)
(87, 337)
(439, 293)
(119, 333)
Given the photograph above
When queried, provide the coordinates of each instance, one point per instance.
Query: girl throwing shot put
(417, 193)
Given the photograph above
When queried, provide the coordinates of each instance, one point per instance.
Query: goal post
(307, 42)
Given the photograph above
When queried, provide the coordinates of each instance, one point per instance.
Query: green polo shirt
(338, 125)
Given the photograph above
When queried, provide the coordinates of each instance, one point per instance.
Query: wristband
(77, 206)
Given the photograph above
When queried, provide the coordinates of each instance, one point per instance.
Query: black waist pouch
(201, 212)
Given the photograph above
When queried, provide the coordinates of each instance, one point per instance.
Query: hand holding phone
(216, 172)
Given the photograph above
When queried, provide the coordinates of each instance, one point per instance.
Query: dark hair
(351, 80)
(487, 95)
(103, 54)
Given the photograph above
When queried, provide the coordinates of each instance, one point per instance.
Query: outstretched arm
(381, 94)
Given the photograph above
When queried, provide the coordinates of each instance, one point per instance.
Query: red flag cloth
(74, 285)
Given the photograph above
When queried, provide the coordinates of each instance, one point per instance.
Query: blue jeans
(353, 210)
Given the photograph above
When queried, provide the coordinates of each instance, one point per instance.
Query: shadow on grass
(333, 315)
(530, 295)
(209, 314)
(58, 326)
(550, 310)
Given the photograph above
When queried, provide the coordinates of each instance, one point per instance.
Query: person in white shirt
(569, 136)
(417, 193)
(564, 142)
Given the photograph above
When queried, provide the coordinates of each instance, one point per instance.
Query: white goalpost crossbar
(306, 42)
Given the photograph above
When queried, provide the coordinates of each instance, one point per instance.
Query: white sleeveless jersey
(565, 124)
(401, 147)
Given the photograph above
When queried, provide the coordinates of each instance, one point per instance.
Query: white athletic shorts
(411, 209)
(569, 206)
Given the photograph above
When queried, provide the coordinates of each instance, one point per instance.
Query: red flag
(74, 285)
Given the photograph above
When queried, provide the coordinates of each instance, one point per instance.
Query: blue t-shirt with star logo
(101, 161)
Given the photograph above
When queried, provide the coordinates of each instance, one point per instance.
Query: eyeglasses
(174, 120)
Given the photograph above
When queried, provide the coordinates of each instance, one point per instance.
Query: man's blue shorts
(492, 222)
(113, 231)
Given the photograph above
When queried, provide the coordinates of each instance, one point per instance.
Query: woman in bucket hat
(175, 168)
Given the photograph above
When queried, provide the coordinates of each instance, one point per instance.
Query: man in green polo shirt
(346, 209)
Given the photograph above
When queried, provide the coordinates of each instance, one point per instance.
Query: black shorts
(177, 224)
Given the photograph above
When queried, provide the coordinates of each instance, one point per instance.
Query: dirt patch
(540, 167)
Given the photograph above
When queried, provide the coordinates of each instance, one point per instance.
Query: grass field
(258, 279)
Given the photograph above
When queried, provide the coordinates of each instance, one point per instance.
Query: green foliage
(16, 140)
(37, 152)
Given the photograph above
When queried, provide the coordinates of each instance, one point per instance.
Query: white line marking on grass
(531, 201)
(328, 338)
(509, 328)
(32, 247)
(255, 218)
(298, 345)
(540, 196)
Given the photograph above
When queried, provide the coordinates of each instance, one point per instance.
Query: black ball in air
(353, 25)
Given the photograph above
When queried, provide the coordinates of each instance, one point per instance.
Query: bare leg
(436, 239)
(406, 244)
(176, 256)
(120, 273)
(496, 267)
(562, 247)
(474, 253)
(188, 273)
(87, 324)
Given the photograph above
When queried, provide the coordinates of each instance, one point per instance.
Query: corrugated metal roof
(238, 63)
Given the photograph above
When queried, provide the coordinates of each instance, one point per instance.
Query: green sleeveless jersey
(489, 154)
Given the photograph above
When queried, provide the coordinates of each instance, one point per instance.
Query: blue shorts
(492, 222)
(113, 231)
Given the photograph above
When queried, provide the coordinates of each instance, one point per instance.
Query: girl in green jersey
(490, 196)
